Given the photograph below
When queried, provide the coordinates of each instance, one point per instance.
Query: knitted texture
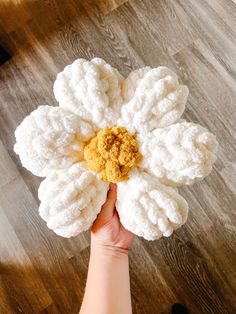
(50, 138)
(156, 100)
(148, 208)
(92, 96)
(178, 154)
(71, 199)
(112, 153)
(130, 84)
(92, 90)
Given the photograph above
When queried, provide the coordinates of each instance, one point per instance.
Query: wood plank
(193, 274)
(211, 99)
(13, 14)
(106, 6)
(80, 264)
(226, 10)
(5, 305)
(48, 255)
(158, 17)
(21, 281)
(148, 282)
(211, 29)
(8, 168)
(228, 173)
(123, 31)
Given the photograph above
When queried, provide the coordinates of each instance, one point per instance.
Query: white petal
(158, 99)
(178, 154)
(148, 208)
(130, 84)
(92, 90)
(71, 199)
(50, 138)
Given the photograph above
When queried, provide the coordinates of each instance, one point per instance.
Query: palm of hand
(107, 229)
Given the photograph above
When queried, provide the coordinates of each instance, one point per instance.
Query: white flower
(93, 95)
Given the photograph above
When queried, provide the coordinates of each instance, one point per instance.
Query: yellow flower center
(112, 153)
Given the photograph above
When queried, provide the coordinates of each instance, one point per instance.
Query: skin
(108, 286)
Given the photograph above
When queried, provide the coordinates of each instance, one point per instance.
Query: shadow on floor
(52, 288)
(25, 22)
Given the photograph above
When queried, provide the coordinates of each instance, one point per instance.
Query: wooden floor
(43, 273)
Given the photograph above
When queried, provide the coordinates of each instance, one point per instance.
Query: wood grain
(106, 6)
(17, 272)
(9, 9)
(43, 273)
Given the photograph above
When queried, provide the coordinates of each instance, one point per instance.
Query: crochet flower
(107, 128)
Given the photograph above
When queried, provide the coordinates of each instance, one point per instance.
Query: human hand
(107, 230)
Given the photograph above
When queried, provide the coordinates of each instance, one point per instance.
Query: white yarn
(158, 100)
(130, 84)
(90, 89)
(71, 199)
(148, 208)
(50, 138)
(178, 154)
(50, 142)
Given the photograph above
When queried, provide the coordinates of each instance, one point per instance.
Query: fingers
(108, 207)
(111, 197)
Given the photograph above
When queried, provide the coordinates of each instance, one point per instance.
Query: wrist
(99, 249)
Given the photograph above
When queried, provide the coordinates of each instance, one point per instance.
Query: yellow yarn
(112, 153)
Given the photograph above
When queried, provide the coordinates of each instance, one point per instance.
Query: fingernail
(113, 186)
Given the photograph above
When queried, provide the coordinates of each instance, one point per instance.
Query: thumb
(108, 207)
